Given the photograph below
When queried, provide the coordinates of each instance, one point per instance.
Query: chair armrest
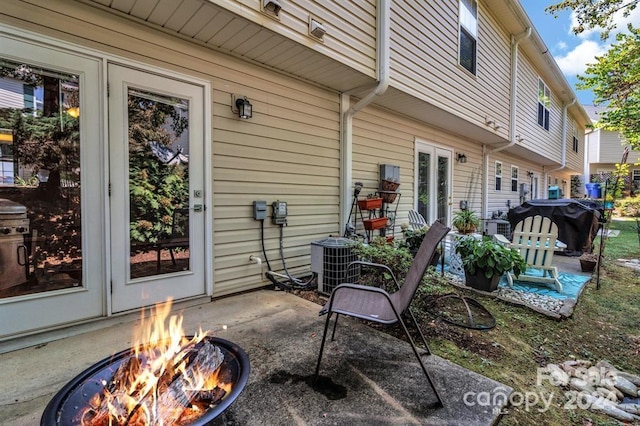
(351, 286)
(375, 265)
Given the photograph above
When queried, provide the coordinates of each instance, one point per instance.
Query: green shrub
(398, 259)
(629, 207)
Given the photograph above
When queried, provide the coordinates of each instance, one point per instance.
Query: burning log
(127, 400)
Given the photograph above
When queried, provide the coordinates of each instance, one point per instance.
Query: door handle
(198, 207)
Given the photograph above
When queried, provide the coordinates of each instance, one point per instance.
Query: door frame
(100, 184)
(23, 315)
(434, 149)
(207, 198)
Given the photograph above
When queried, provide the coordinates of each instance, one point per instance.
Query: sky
(572, 53)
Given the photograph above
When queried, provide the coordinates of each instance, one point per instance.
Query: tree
(595, 13)
(615, 80)
(615, 76)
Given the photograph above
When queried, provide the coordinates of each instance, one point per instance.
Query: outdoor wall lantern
(461, 158)
(242, 107)
(530, 173)
(271, 6)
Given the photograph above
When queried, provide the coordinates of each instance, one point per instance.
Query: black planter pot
(587, 265)
(480, 282)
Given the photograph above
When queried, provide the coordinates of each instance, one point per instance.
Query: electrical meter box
(259, 210)
(279, 215)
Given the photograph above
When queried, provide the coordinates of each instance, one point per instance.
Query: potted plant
(588, 262)
(372, 202)
(466, 221)
(485, 261)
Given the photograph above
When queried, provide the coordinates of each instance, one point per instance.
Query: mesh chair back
(421, 262)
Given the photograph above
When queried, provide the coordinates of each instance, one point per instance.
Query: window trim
(514, 179)
(498, 183)
(470, 33)
(544, 102)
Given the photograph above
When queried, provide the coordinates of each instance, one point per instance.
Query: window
(498, 176)
(575, 144)
(468, 34)
(544, 101)
(514, 178)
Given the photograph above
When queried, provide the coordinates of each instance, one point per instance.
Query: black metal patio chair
(377, 305)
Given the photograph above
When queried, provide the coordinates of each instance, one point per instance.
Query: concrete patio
(369, 376)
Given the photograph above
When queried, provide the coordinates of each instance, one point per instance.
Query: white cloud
(576, 60)
(561, 45)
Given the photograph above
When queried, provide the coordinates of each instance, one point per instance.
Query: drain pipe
(563, 153)
(515, 42)
(347, 112)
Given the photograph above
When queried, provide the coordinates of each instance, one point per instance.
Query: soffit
(215, 27)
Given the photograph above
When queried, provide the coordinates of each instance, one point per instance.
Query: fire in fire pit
(171, 379)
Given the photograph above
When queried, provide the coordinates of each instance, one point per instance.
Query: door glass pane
(424, 172)
(158, 183)
(40, 210)
(443, 189)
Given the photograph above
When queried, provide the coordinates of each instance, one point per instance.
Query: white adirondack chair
(416, 220)
(535, 239)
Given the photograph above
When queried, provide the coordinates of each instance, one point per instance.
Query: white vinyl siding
(424, 61)
(11, 93)
(288, 151)
(381, 137)
(536, 138)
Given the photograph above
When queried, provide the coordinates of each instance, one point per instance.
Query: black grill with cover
(578, 220)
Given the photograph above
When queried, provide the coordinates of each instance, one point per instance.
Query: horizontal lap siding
(610, 147)
(575, 160)
(536, 138)
(497, 200)
(351, 28)
(424, 61)
(381, 137)
(289, 150)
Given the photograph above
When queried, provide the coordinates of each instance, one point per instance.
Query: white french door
(433, 177)
(53, 273)
(156, 146)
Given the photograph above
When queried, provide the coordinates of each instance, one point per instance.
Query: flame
(137, 394)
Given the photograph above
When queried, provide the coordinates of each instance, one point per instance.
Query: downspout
(347, 113)
(563, 153)
(515, 42)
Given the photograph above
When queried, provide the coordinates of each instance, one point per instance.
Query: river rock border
(546, 305)
(599, 387)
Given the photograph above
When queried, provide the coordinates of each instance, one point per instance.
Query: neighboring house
(460, 95)
(603, 150)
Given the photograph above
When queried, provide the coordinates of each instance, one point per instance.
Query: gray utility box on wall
(497, 226)
(329, 260)
(390, 172)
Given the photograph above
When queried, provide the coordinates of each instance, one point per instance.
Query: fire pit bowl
(68, 404)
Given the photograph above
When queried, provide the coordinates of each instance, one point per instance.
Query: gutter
(515, 41)
(347, 112)
(563, 158)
